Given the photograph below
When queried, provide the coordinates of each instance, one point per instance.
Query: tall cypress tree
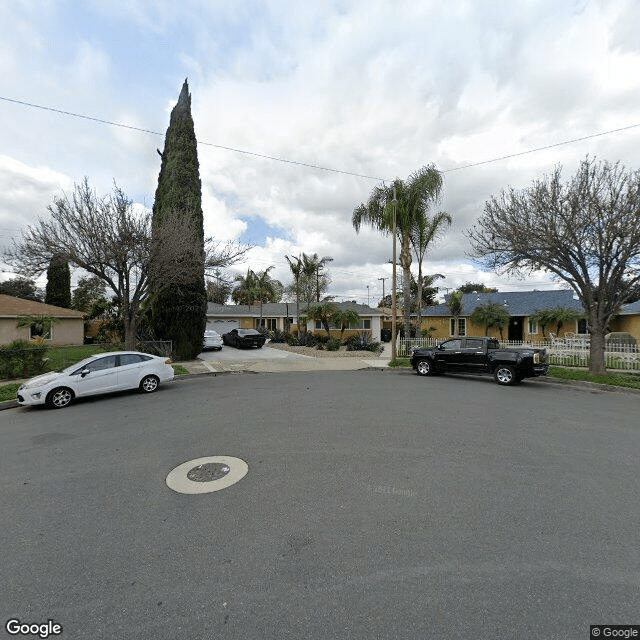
(178, 311)
(58, 291)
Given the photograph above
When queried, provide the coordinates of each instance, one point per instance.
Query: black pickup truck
(480, 355)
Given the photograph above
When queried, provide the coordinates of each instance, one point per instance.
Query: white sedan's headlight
(39, 382)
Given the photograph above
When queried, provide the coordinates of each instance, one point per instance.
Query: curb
(581, 385)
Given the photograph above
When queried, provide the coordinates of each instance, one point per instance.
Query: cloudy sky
(377, 88)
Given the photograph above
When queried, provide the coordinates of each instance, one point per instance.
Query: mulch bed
(317, 353)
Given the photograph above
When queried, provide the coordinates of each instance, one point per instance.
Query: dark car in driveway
(241, 338)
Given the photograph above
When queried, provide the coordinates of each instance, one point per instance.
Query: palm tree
(414, 197)
(267, 289)
(312, 266)
(343, 318)
(256, 287)
(245, 290)
(424, 232)
(296, 270)
(490, 315)
(324, 313)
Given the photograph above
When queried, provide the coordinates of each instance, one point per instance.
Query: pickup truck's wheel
(424, 368)
(505, 375)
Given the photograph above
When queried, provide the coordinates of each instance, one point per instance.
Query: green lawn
(179, 370)
(61, 357)
(8, 391)
(629, 380)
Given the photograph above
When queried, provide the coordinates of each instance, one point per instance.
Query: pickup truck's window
(493, 344)
(473, 344)
(451, 345)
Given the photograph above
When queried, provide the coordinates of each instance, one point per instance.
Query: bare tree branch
(586, 232)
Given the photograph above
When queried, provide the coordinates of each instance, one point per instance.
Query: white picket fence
(569, 351)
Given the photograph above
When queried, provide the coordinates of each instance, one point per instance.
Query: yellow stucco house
(521, 306)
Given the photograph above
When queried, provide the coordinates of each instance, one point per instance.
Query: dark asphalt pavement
(375, 506)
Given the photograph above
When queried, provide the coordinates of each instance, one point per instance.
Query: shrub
(22, 359)
(333, 344)
(278, 336)
(362, 342)
(307, 339)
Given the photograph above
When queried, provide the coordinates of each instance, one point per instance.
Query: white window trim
(462, 327)
(533, 328)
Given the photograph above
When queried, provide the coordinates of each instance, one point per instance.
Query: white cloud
(377, 87)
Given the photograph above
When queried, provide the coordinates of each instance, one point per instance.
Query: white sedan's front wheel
(59, 398)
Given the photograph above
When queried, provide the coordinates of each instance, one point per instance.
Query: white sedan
(102, 373)
(212, 340)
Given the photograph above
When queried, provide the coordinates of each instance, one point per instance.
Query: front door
(448, 355)
(101, 377)
(515, 328)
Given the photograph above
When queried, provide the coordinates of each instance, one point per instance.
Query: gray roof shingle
(518, 303)
(280, 309)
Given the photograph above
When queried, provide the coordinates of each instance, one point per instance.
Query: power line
(315, 166)
(549, 146)
(208, 144)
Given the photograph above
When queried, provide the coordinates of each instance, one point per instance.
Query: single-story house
(628, 319)
(521, 306)
(283, 317)
(67, 326)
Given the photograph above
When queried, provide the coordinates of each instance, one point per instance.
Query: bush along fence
(22, 359)
(564, 352)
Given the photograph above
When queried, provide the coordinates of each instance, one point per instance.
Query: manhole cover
(205, 475)
(208, 472)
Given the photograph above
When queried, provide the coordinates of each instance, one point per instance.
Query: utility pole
(394, 349)
(383, 279)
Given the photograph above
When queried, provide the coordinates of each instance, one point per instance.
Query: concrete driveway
(272, 359)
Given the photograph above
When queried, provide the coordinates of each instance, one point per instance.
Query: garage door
(223, 326)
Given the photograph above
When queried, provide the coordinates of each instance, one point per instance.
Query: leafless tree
(111, 238)
(585, 231)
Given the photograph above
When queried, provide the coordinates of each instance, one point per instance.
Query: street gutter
(581, 385)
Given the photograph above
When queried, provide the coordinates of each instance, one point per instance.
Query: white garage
(222, 326)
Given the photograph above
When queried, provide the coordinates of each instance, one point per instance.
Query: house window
(318, 324)
(40, 330)
(268, 323)
(582, 326)
(533, 327)
(360, 324)
(462, 326)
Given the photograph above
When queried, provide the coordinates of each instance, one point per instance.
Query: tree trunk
(405, 263)
(130, 323)
(419, 309)
(596, 350)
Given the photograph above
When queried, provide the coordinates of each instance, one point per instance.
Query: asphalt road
(377, 505)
